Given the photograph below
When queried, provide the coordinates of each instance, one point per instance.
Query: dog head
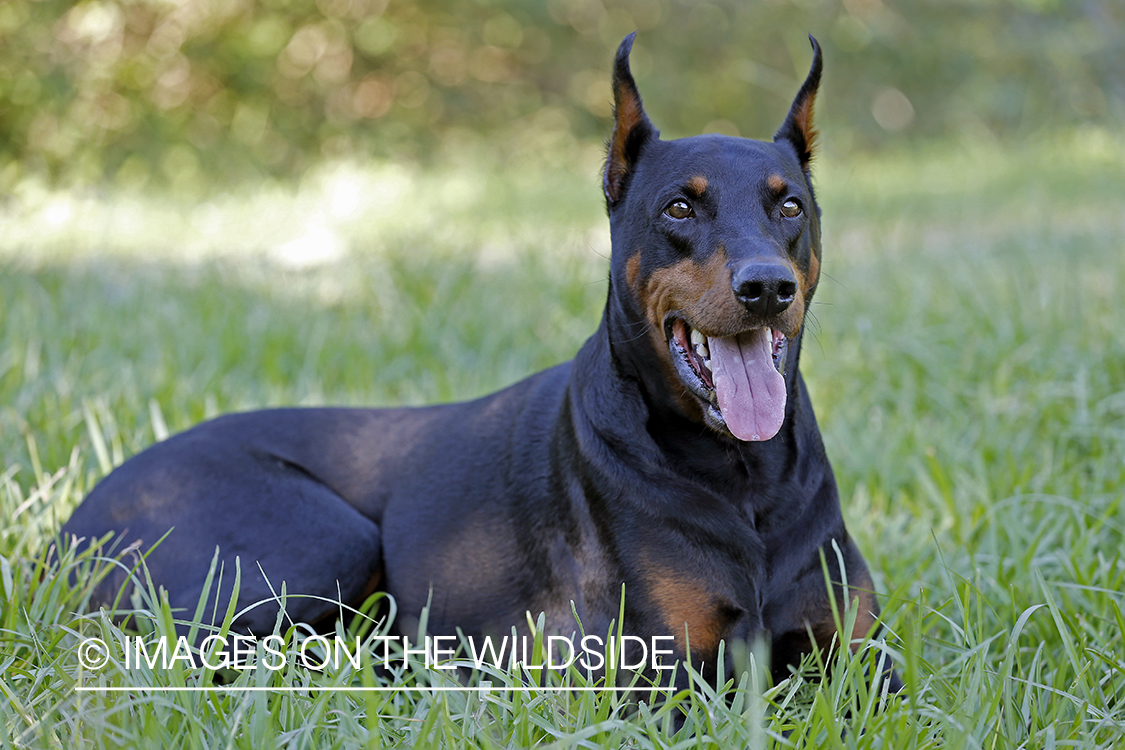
(716, 243)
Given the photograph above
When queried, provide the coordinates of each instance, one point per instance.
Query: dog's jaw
(739, 379)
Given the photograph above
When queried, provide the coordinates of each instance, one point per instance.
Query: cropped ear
(798, 127)
(631, 127)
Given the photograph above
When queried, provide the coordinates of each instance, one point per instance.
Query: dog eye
(790, 208)
(679, 210)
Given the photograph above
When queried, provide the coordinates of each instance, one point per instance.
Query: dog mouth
(740, 379)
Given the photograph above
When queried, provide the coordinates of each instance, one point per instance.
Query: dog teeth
(699, 344)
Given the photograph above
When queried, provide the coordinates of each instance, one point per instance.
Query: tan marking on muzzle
(813, 276)
(632, 269)
(701, 293)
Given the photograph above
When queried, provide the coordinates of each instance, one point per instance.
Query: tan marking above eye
(697, 185)
(679, 210)
(790, 208)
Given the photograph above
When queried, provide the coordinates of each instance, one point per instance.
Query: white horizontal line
(349, 689)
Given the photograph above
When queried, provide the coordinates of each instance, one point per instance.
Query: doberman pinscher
(677, 454)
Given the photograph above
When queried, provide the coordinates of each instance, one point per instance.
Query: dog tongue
(750, 389)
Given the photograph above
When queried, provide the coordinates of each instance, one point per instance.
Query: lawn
(966, 358)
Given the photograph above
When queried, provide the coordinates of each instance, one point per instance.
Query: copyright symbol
(92, 654)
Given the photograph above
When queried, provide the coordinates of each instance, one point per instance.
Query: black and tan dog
(677, 453)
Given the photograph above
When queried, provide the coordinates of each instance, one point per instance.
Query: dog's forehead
(722, 159)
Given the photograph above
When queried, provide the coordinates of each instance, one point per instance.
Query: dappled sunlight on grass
(955, 194)
(971, 194)
(472, 204)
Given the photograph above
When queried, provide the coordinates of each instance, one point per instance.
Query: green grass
(966, 357)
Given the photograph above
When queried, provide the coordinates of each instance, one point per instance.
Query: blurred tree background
(191, 92)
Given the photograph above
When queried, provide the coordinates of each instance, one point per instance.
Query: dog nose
(764, 289)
